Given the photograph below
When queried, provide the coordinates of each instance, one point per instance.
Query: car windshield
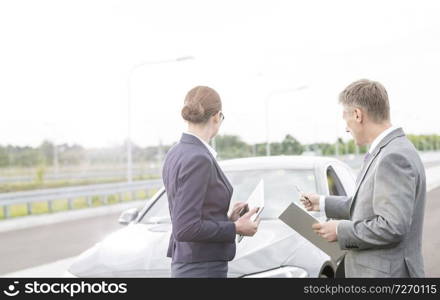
(279, 191)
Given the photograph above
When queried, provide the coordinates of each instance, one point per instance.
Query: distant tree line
(17, 156)
(227, 146)
(231, 146)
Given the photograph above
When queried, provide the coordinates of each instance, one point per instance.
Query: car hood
(140, 250)
(137, 249)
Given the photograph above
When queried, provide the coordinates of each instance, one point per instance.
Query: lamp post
(55, 160)
(268, 98)
(130, 76)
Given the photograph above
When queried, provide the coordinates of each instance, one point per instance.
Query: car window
(335, 186)
(346, 176)
(158, 212)
(279, 187)
(279, 191)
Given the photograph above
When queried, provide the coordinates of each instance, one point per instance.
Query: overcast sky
(64, 66)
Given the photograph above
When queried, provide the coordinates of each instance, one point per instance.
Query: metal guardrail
(71, 193)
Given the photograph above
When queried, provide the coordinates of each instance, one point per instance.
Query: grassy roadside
(39, 208)
(28, 186)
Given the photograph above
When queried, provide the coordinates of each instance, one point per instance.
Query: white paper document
(301, 221)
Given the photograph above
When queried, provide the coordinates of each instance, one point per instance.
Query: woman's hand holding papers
(245, 226)
(238, 210)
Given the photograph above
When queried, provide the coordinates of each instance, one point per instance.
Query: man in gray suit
(380, 226)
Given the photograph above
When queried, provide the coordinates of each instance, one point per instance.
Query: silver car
(139, 249)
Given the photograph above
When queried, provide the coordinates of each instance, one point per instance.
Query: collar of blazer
(190, 139)
(385, 141)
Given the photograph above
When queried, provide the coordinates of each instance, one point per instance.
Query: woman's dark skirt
(208, 269)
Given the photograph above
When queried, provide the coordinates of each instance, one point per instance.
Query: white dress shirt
(380, 137)
(373, 145)
(210, 149)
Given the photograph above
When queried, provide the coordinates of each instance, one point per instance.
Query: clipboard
(301, 221)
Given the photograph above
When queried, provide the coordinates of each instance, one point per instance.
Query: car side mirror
(128, 216)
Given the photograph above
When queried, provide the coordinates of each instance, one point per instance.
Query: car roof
(276, 162)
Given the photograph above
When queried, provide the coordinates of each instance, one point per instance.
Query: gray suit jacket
(383, 220)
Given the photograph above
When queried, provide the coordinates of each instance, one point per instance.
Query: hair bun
(193, 112)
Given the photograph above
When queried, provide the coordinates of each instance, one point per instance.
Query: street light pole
(130, 76)
(268, 98)
(55, 158)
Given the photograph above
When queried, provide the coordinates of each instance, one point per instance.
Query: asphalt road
(44, 244)
(39, 245)
(431, 234)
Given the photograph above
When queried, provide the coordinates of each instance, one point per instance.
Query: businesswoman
(203, 234)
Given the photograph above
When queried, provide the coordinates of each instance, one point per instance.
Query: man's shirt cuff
(322, 208)
(322, 204)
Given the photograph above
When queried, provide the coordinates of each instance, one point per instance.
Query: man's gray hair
(371, 96)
